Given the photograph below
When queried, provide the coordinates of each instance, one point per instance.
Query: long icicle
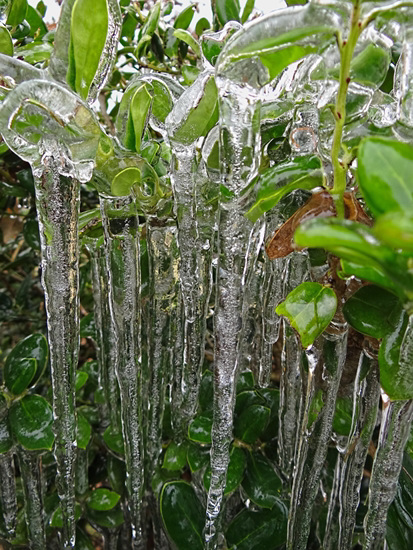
(120, 225)
(30, 470)
(240, 151)
(365, 410)
(314, 439)
(395, 425)
(57, 201)
(8, 492)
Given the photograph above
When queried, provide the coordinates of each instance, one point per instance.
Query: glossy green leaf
(227, 10)
(272, 400)
(396, 230)
(184, 18)
(152, 21)
(19, 373)
(303, 172)
(343, 416)
(371, 274)
(190, 74)
(396, 373)
(370, 310)
(197, 456)
(123, 182)
(111, 519)
(83, 431)
(31, 234)
(31, 420)
(113, 439)
(102, 500)
(183, 515)
(384, 173)
(83, 542)
(200, 429)
(35, 52)
(35, 347)
(37, 25)
(17, 12)
(256, 530)
(138, 114)
(202, 25)
(87, 41)
(57, 518)
(187, 37)
(6, 43)
(261, 483)
(310, 307)
(316, 406)
(235, 472)
(175, 456)
(245, 381)
(6, 440)
(249, 6)
(81, 379)
(206, 391)
(116, 469)
(251, 423)
(246, 398)
(88, 327)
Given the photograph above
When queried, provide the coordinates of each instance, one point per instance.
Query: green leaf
(227, 10)
(31, 420)
(384, 173)
(370, 310)
(17, 12)
(83, 431)
(82, 540)
(251, 530)
(18, 374)
(37, 26)
(206, 391)
(261, 483)
(249, 6)
(138, 114)
(343, 416)
(396, 230)
(396, 373)
(251, 423)
(371, 274)
(300, 173)
(81, 379)
(187, 37)
(245, 381)
(88, 327)
(197, 456)
(310, 307)
(57, 518)
(183, 20)
(116, 473)
(31, 234)
(200, 429)
(35, 347)
(316, 406)
(202, 25)
(124, 180)
(399, 535)
(111, 519)
(190, 74)
(183, 515)
(6, 440)
(102, 500)
(113, 439)
(35, 52)
(6, 43)
(87, 40)
(235, 473)
(175, 456)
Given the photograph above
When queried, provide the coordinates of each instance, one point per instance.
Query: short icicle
(395, 425)
(8, 492)
(30, 470)
(120, 223)
(240, 153)
(365, 410)
(315, 437)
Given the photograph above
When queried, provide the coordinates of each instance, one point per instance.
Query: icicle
(30, 470)
(395, 425)
(315, 436)
(111, 537)
(332, 525)
(163, 272)
(82, 474)
(120, 225)
(8, 492)
(240, 153)
(296, 270)
(365, 409)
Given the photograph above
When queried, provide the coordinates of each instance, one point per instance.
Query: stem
(346, 54)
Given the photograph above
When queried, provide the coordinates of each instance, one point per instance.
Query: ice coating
(8, 492)
(120, 225)
(31, 473)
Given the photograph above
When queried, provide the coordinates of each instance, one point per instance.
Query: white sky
(53, 9)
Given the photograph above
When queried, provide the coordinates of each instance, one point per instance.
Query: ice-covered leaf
(187, 37)
(19, 373)
(255, 530)
(17, 12)
(183, 515)
(310, 307)
(395, 360)
(124, 180)
(245, 381)
(31, 421)
(304, 172)
(261, 483)
(227, 10)
(57, 520)
(175, 456)
(384, 173)
(6, 43)
(111, 519)
(83, 431)
(197, 456)
(343, 416)
(371, 274)
(235, 472)
(249, 6)
(102, 500)
(31, 233)
(251, 423)
(87, 41)
(88, 326)
(138, 114)
(200, 429)
(371, 309)
(113, 439)
(32, 347)
(6, 440)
